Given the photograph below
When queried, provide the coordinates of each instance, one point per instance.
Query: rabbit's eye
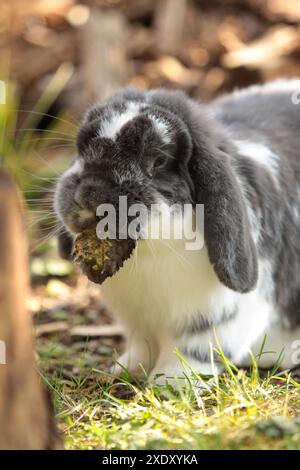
(76, 179)
(158, 163)
(154, 165)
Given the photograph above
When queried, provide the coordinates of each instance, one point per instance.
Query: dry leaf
(52, 327)
(101, 330)
(278, 41)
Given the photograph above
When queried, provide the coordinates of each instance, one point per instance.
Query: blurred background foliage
(59, 56)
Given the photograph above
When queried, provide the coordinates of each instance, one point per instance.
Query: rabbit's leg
(234, 334)
(179, 368)
(278, 345)
(136, 359)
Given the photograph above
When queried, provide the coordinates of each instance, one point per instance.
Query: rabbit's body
(240, 158)
(160, 282)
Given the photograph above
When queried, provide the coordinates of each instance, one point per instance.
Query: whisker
(180, 258)
(39, 190)
(39, 200)
(37, 212)
(46, 211)
(45, 233)
(62, 146)
(135, 260)
(41, 219)
(46, 230)
(50, 179)
(45, 239)
(45, 161)
(168, 155)
(74, 124)
(55, 139)
(42, 211)
(44, 222)
(39, 206)
(48, 131)
(149, 243)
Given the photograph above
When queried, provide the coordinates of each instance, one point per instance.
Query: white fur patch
(162, 129)
(75, 169)
(261, 154)
(295, 208)
(162, 288)
(254, 217)
(254, 312)
(112, 127)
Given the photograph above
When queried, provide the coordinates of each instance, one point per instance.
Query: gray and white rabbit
(240, 157)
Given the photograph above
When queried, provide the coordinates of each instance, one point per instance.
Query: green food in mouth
(99, 258)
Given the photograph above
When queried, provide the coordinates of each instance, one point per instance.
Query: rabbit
(239, 157)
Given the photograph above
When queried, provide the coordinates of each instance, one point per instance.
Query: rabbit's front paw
(136, 361)
(125, 363)
(181, 374)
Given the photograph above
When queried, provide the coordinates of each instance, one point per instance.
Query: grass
(20, 147)
(33, 152)
(241, 411)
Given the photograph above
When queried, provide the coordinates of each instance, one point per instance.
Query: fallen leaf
(101, 330)
(52, 327)
(277, 42)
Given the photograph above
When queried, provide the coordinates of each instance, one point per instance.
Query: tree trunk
(102, 46)
(169, 20)
(26, 417)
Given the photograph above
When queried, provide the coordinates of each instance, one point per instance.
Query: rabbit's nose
(85, 215)
(80, 218)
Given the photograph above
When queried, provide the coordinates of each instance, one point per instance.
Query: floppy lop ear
(227, 233)
(65, 245)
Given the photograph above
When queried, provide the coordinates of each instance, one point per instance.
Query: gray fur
(202, 323)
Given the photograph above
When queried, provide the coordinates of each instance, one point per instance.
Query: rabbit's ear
(227, 232)
(65, 245)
